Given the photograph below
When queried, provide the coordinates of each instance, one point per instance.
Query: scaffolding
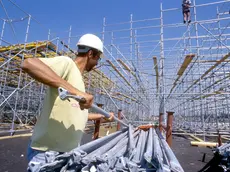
(176, 67)
(21, 96)
(152, 66)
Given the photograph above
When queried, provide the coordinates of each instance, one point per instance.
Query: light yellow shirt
(61, 123)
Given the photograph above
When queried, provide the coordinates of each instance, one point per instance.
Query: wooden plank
(187, 61)
(119, 73)
(205, 144)
(192, 136)
(209, 70)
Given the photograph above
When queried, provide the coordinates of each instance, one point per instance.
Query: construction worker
(60, 125)
(186, 10)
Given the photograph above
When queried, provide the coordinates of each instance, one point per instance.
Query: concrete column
(169, 128)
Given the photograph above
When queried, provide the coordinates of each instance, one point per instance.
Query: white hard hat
(92, 41)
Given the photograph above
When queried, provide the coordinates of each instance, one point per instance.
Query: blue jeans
(37, 158)
(33, 154)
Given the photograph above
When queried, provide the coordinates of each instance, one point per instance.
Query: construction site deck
(161, 77)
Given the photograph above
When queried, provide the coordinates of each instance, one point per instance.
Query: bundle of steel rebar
(126, 150)
(220, 161)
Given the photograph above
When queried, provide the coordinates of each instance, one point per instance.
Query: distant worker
(60, 126)
(186, 10)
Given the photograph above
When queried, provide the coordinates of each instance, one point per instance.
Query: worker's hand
(111, 118)
(88, 98)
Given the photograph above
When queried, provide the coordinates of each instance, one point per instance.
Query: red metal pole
(119, 117)
(219, 139)
(97, 125)
(160, 122)
(169, 128)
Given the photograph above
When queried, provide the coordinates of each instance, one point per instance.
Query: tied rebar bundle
(126, 150)
(220, 161)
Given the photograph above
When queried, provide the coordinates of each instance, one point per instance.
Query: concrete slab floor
(190, 157)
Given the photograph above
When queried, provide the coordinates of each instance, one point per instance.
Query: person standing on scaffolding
(186, 10)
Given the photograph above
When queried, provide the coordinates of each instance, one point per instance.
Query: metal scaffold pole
(161, 90)
(2, 32)
(19, 80)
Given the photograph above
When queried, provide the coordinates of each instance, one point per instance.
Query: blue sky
(85, 16)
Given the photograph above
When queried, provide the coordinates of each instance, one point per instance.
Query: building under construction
(147, 77)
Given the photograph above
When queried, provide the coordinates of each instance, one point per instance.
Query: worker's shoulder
(61, 61)
(63, 58)
(58, 58)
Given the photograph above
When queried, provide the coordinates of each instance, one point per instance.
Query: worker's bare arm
(96, 116)
(44, 74)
